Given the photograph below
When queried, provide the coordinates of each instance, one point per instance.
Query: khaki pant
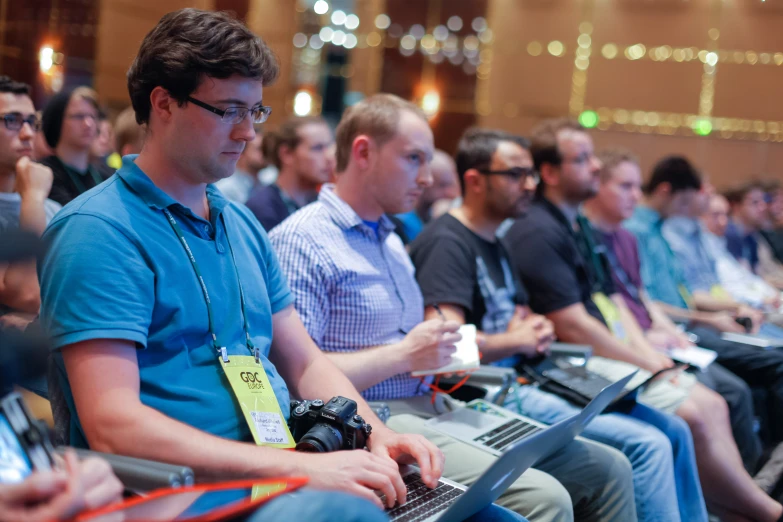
(584, 481)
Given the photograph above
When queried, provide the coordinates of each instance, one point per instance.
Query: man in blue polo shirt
(156, 288)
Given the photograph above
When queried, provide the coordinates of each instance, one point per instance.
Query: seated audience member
(734, 277)
(60, 494)
(695, 251)
(24, 187)
(238, 186)
(128, 134)
(70, 122)
(773, 230)
(462, 267)
(434, 201)
(727, 485)
(170, 298)
(103, 146)
(355, 290)
(743, 238)
(668, 190)
(302, 151)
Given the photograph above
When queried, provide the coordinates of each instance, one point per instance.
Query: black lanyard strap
(219, 347)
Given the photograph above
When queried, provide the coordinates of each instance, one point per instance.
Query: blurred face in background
(80, 124)
(620, 191)
(313, 158)
(716, 219)
(103, 144)
(445, 181)
(752, 209)
(579, 168)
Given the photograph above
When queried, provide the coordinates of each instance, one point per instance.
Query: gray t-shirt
(11, 206)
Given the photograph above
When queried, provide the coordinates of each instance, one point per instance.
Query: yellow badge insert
(258, 401)
(611, 315)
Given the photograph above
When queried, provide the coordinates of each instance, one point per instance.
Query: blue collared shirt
(353, 288)
(686, 239)
(661, 272)
(116, 270)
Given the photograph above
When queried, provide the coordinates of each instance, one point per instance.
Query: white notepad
(694, 355)
(465, 358)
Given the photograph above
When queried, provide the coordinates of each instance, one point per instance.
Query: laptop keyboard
(585, 383)
(503, 436)
(422, 501)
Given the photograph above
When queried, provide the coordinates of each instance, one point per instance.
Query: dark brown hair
(190, 44)
(287, 134)
(8, 84)
(543, 141)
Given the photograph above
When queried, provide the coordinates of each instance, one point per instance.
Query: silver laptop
(493, 428)
(760, 341)
(452, 502)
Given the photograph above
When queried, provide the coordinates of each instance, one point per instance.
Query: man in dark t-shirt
(464, 269)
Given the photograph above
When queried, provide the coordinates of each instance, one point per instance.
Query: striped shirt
(353, 288)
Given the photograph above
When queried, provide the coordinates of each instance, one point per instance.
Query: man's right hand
(33, 180)
(357, 472)
(724, 322)
(430, 345)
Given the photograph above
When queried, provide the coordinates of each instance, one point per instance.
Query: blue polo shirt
(662, 274)
(116, 270)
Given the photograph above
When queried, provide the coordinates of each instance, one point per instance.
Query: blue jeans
(333, 506)
(770, 330)
(659, 446)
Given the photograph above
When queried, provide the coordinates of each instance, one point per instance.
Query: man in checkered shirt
(355, 291)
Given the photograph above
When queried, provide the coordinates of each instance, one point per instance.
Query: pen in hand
(440, 312)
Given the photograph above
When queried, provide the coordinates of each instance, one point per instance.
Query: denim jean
(332, 506)
(659, 446)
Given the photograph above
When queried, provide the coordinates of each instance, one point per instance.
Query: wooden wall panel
(123, 25)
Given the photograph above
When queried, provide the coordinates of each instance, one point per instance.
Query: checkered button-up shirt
(353, 288)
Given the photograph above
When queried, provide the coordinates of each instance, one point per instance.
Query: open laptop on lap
(495, 429)
(451, 502)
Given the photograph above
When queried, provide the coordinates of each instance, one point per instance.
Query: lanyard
(622, 275)
(220, 348)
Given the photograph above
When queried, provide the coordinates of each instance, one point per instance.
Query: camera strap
(245, 373)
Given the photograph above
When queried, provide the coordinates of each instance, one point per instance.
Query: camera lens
(321, 438)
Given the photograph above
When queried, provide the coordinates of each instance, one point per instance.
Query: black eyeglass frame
(516, 173)
(242, 112)
(14, 121)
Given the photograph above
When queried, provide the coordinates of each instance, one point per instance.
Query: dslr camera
(320, 428)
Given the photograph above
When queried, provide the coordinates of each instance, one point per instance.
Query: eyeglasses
(235, 115)
(515, 173)
(14, 121)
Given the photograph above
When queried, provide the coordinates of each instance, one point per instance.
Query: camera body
(320, 428)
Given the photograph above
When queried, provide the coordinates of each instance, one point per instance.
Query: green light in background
(588, 119)
(702, 127)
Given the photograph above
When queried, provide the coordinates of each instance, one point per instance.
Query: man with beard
(465, 273)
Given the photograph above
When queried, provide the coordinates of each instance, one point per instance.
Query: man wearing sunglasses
(24, 187)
